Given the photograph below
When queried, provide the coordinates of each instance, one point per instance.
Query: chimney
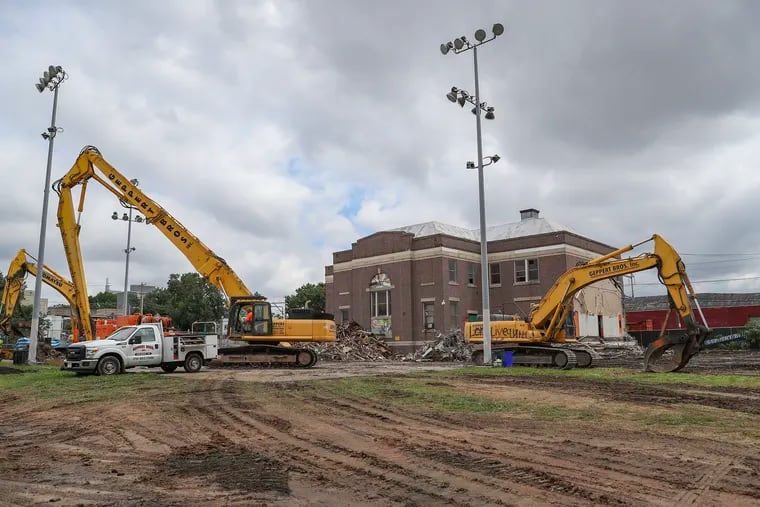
(528, 213)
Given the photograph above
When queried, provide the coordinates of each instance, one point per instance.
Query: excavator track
(266, 355)
(537, 355)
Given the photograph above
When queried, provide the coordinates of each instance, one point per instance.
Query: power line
(706, 281)
(724, 261)
(727, 254)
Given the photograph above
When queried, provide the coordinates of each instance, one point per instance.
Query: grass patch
(50, 383)
(614, 375)
(421, 392)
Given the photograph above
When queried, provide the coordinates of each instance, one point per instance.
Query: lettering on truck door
(144, 347)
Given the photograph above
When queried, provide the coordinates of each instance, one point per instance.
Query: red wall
(735, 316)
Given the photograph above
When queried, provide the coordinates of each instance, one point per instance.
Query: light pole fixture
(491, 160)
(460, 45)
(129, 219)
(51, 79)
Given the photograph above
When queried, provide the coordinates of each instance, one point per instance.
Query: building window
(428, 315)
(526, 270)
(452, 270)
(454, 314)
(495, 271)
(471, 271)
(380, 303)
(380, 295)
(344, 315)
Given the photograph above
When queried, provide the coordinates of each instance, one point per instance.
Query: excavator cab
(250, 318)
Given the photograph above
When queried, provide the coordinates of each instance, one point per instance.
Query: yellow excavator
(541, 338)
(17, 271)
(268, 340)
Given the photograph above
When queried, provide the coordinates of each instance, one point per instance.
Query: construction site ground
(384, 434)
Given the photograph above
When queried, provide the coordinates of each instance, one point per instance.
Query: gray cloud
(256, 123)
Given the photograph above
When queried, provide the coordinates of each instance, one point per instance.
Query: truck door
(144, 347)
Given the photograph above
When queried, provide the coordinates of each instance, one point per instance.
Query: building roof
(706, 300)
(525, 227)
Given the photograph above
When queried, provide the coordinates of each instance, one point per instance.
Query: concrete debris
(614, 348)
(352, 343)
(446, 347)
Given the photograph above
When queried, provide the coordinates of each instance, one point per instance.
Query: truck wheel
(169, 367)
(109, 365)
(193, 363)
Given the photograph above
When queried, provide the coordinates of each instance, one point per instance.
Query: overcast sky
(282, 131)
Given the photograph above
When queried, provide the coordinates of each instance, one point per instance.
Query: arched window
(380, 295)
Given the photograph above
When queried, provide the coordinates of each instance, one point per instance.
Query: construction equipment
(17, 271)
(541, 338)
(268, 340)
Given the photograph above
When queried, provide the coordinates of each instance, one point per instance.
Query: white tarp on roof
(525, 227)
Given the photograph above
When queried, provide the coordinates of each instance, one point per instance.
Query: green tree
(752, 332)
(308, 295)
(103, 300)
(187, 298)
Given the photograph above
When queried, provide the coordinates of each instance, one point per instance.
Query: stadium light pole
(460, 45)
(128, 218)
(51, 79)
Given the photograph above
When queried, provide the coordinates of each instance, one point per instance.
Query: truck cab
(141, 345)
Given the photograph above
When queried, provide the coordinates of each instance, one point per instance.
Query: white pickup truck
(143, 345)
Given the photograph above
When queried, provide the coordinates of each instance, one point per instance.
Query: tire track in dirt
(394, 486)
(26, 493)
(529, 487)
(639, 472)
(695, 494)
(538, 478)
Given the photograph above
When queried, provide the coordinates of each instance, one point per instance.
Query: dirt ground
(272, 437)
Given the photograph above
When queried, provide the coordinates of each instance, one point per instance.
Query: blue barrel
(506, 358)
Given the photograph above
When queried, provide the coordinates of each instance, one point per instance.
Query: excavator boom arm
(17, 271)
(550, 312)
(91, 165)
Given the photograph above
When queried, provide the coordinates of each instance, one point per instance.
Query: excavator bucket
(671, 353)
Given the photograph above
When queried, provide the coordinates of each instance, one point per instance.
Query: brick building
(408, 282)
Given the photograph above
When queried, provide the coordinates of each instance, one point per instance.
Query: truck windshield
(121, 334)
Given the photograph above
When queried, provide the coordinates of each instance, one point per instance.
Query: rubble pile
(625, 347)
(445, 347)
(352, 344)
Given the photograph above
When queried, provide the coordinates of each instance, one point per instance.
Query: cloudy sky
(282, 131)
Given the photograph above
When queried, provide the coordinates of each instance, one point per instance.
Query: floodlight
(138, 219)
(125, 217)
(498, 29)
(46, 76)
(445, 48)
(470, 165)
(40, 87)
(458, 43)
(115, 216)
(452, 96)
(480, 35)
(462, 100)
(53, 71)
(495, 158)
(489, 114)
